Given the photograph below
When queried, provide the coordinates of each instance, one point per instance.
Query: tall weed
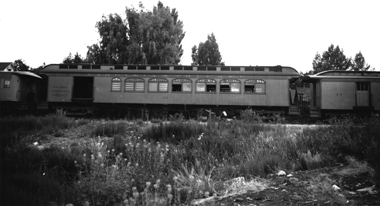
(173, 132)
(14, 128)
(110, 129)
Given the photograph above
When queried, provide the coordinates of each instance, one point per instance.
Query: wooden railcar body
(345, 91)
(15, 86)
(17, 89)
(171, 86)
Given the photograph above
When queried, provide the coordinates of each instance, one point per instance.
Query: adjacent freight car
(84, 87)
(17, 90)
(337, 92)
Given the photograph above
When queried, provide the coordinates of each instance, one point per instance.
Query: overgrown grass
(32, 176)
(172, 163)
(15, 129)
(38, 177)
(109, 129)
(173, 132)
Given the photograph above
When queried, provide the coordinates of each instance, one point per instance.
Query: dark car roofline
(24, 73)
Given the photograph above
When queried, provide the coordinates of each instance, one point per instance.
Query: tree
(359, 63)
(155, 37)
(145, 37)
(19, 65)
(94, 54)
(194, 55)
(207, 53)
(114, 40)
(332, 59)
(77, 59)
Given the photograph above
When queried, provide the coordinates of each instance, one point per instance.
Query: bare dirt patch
(327, 186)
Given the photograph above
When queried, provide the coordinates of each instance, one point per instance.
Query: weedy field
(57, 160)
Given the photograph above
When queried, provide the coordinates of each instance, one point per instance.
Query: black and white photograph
(189, 103)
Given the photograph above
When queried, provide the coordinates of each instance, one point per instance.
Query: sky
(248, 32)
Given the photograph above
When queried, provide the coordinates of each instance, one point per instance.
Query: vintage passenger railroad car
(17, 88)
(169, 87)
(339, 91)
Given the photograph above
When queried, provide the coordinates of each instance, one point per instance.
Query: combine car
(148, 88)
(337, 92)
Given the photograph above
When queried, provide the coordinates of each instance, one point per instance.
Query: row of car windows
(186, 85)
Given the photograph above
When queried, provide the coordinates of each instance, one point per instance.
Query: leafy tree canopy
(19, 65)
(207, 53)
(145, 37)
(359, 63)
(77, 59)
(334, 59)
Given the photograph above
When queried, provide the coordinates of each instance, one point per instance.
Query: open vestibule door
(83, 88)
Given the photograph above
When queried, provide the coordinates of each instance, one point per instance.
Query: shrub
(310, 161)
(194, 181)
(249, 115)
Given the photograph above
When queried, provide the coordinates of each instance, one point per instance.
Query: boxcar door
(83, 88)
(362, 94)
